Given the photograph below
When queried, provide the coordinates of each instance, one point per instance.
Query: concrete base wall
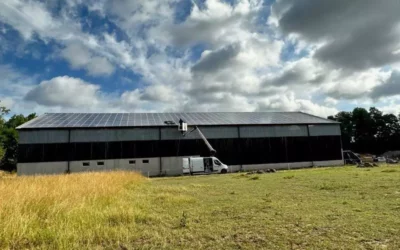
(328, 163)
(42, 168)
(170, 166)
(152, 168)
(292, 165)
(234, 168)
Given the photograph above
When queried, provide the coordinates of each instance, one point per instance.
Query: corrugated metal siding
(321, 130)
(43, 136)
(272, 131)
(209, 132)
(103, 135)
(147, 134)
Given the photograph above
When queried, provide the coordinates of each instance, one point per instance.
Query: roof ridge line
(326, 119)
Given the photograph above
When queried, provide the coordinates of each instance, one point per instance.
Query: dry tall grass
(55, 211)
(321, 208)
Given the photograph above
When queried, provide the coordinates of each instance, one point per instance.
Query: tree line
(9, 138)
(369, 131)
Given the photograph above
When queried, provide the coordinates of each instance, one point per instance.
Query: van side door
(208, 164)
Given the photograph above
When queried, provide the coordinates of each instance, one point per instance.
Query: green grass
(323, 208)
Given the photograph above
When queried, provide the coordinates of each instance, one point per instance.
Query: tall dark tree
(9, 138)
(369, 131)
(3, 111)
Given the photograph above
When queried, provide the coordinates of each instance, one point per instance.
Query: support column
(240, 150)
(309, 143)
(69, 152)
(159, 149)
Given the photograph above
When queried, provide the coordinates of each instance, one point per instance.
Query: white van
(208, 165)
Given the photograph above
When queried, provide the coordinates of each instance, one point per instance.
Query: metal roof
(103, 120)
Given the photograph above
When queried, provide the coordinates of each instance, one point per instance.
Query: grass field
(325, 208)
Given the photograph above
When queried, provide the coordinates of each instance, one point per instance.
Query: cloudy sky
(317, 56)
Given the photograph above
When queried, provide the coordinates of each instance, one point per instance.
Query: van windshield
(217, 163)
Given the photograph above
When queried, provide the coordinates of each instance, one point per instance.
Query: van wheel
(224, 171)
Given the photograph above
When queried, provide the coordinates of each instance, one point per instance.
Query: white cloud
(329, 101)
(218, 102)
(74, 94)
(131, 98)
(159, 93)
(99, 66)
(218, 23)
(356, 85)
(13, 87)
(76, 55)
(26, 17)
(13, 83)
(7, 102)
(82, 50)
(391, 109)
(289, 102)
(241, 68)
(64, 91)
(80, 57)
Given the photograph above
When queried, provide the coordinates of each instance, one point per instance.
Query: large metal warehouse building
(151, 143)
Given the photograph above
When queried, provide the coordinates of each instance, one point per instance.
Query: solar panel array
(90, 120)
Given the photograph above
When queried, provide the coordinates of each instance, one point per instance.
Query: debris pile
(391, 161)
(367, 165)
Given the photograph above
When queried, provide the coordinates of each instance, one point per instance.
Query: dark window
(100, 163)
(113, 150)
(228, 150)
(64, 151)
(299, 149)
(55, 152)
(146, 149)
(30, 153)
(145, 161)
(217, 163)
(86, 164)
(325, 148)
(82, 151)
(50, 152)
(191, 147)
(128, 149)
(98, 151)
(168, 148)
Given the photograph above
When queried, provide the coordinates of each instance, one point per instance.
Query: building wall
(243, 147)
(146, 166)
(273, 131)
(323, 130)
(220, 132)
(109, 135)
(42, 136)
(42, 168)
(168, 133)
(171, 166)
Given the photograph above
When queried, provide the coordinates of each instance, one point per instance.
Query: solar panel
(88, 120)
